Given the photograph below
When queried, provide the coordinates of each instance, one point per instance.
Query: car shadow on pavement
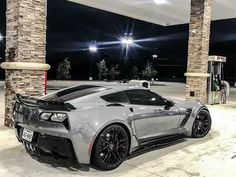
(64, 163)
(21, 158)
(73, 166)
(178, 143)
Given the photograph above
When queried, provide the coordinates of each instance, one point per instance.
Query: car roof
(118, 86)
(106, 88)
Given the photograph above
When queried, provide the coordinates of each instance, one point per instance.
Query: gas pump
(218, 88)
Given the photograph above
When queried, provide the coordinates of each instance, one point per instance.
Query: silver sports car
(102, 125)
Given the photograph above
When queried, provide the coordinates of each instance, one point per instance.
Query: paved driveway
(214, 155)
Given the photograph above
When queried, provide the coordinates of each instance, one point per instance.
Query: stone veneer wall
(199, 36)
(25, 42)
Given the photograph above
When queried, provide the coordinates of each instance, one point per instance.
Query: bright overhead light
(161, 1)
(1, 37)
(127, 40)
(154, 56)
(93, 49)
(124, 41)
(130, 41)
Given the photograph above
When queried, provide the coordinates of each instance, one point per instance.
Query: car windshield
(73, 93)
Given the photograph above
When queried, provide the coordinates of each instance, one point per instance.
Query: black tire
(111, 148)
(201, 124)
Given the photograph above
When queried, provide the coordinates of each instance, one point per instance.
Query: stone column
(198, 50)
(25, 50)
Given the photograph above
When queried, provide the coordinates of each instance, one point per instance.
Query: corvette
(102, 125)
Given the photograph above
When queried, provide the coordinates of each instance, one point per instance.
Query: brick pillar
(25, 50)
(198, 51)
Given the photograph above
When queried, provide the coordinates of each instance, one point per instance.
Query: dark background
(72, 27)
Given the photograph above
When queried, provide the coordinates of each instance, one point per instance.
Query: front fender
(195, 108)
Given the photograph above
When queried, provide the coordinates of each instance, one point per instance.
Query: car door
(150, 116)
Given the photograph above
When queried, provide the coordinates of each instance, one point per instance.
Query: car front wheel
(110, 148)
(201, 124)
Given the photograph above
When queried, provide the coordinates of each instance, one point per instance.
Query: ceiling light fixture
(1, 37)
(93, 49)
(127, 40)
(161, 1)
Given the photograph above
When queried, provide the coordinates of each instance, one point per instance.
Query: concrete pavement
(214, 155)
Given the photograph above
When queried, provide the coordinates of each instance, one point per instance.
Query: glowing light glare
(93, 49)
(130, 41)
(124, 41)
(161, 1)
(154, 56)
(127, 41)
(1, 37)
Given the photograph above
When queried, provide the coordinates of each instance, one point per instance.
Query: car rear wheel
(201, 124)
(111, 148)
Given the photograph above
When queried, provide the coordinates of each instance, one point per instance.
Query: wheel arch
(187, 128)
(113, 123)
(203, 108)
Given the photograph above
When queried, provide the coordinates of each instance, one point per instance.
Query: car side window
(144, 97)
(118, 97)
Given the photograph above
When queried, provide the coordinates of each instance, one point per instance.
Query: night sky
(72, 27)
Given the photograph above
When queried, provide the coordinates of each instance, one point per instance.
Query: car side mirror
(168, 104)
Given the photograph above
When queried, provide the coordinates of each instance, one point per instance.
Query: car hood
(176, 101)
(187, 104)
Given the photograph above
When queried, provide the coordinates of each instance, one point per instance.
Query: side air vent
(187, 115)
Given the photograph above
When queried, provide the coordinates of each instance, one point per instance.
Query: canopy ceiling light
(1, 37)
(127, 40)
(161, 1)
(93, 49)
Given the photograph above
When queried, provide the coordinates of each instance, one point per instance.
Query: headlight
(45, 116)
(55, 117)
(58, 117)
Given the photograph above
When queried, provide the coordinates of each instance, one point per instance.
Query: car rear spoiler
(43, 104)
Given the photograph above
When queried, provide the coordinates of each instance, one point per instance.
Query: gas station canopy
(161, 12)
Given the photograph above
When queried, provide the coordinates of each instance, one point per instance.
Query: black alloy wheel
(202, 124)
(111, 148)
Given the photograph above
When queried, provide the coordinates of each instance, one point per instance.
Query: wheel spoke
(107, 158)
(122, 147)
(206, 124)
(104, 148)
(120, 154)
(206, 121)
(106, 141)
(203, 129)
(113, 134)
(120, 141)
(113, 152)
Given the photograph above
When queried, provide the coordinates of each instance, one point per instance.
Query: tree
(149, 72)
(134, 72)
(113, 73)
(63, 70)
(102, 69)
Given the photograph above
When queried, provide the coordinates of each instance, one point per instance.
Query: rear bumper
(42, 144)
(79, 135)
